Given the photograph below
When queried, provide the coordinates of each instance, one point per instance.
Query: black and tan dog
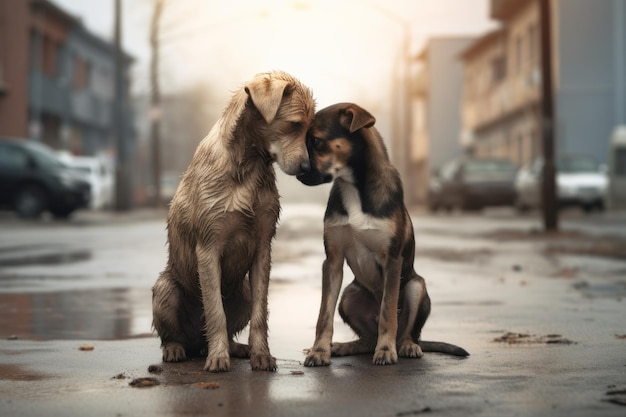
(367, 224)
(221, 223)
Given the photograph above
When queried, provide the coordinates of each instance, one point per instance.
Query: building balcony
(48, 94)
(86, 108)
(501, 102)
(57, 97)
(504, 9)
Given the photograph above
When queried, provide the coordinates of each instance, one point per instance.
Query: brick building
(57, 80)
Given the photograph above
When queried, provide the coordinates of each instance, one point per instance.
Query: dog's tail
(442, 347)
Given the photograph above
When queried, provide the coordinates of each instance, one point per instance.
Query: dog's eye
(296, 125)
(316, 142)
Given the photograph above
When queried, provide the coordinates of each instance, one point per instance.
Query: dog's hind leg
(414, 312)
(359, 309)
(166, 299)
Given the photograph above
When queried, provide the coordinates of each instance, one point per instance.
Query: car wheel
(520, 206)
(600, 206)
(30, 202)
(62, 213)
(466, 205)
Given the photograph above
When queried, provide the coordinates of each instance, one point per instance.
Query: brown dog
(221, 223)
(366, 224)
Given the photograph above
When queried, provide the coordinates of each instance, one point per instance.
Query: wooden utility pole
(122, 169)
(550, 204)
(155, 101)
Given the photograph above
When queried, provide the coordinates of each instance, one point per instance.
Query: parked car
(580, 180)
(472, 184)
(100, 175)
(33, 179)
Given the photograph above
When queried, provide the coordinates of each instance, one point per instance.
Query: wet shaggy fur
(367, 225)
(221, 223)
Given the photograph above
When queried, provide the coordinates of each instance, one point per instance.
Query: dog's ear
(266, 94)
(356, 117)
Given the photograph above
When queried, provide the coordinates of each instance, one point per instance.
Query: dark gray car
(34, 180)
(472, 184)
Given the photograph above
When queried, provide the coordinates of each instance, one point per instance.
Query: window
(498, 69)
(12, 158)
(519, 53)
(81, 73)
(449, 170)
(44, 54)
(533, 43)
(50, 56)
(577, 164)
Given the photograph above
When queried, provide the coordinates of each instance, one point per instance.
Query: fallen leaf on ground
(206, 385)
(86, 347)
(526, 338)
(144, 382)
(155, 369)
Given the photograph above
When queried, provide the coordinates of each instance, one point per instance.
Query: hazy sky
(345, 50)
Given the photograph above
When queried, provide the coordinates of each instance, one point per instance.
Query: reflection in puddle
(615, 289)
(35, 256)
(100, 314)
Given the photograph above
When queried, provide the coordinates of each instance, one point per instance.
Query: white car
(98, 173)
(580, 181)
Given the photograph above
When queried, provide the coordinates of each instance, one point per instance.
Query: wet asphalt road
(556, 307)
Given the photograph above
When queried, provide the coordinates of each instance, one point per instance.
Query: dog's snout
(305, 167)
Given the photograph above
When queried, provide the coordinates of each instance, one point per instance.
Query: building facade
(501, 104)
(59, 83)
(436, 113)
(14, 24)
(502, 88)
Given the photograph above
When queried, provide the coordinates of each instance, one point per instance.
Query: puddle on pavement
(615, 289)
(456, 255)
(10, 372)
(90, 314)
(41, 255)
(512, 338)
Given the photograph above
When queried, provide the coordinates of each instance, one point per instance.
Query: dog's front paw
(264, 362)
(410, 350)
(217, 363)
(385, 356)
(173, 352)
(317, 357)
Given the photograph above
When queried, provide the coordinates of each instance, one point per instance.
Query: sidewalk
(545, 328)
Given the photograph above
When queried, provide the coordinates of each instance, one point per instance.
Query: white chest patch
(372, 232)
(362, 238)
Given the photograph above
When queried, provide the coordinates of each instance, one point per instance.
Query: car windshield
(577, 164)
(489, 168)
(45, 157)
